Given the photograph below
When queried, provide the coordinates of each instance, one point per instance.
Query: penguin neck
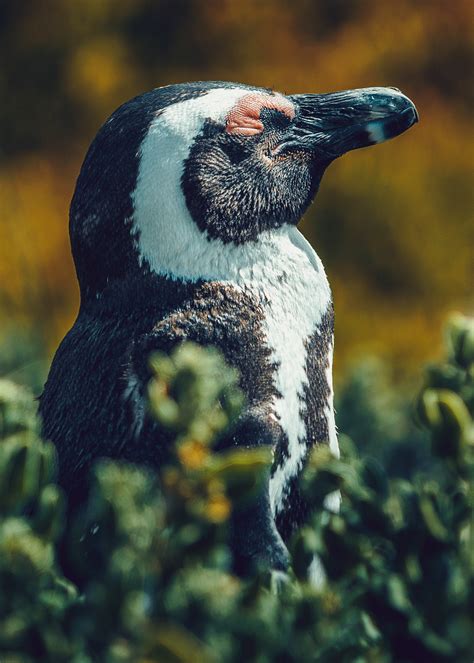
(275, 257)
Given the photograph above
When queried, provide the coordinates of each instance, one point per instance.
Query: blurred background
(392, 224)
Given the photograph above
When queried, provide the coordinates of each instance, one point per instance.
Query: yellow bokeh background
(393, 224)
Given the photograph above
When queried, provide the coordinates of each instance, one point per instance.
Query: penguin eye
(274, 119)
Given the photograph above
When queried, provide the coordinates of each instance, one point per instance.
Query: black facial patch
(238, 149)
(234, 190)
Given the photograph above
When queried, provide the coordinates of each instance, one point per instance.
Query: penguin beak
(328, 125)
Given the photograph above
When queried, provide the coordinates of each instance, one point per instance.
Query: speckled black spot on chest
(317, 390)
(211, 313)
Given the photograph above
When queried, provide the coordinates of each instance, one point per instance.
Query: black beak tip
(416, 116)
(394, 123)
(410, 111)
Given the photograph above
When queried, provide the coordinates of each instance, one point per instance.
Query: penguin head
(189, 173)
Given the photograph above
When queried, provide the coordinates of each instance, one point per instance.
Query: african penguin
(183, 226)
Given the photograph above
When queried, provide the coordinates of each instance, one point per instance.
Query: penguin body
(183, 226)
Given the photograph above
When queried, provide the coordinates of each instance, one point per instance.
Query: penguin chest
(298, 328)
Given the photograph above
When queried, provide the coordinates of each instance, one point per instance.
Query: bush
(149, 554)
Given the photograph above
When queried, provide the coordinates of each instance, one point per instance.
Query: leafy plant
(149, 554)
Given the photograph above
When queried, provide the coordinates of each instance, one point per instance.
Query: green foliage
(399, 550)
(150, 562)
(194, 393)
(23, 359)
(379, 419)
(34, 596)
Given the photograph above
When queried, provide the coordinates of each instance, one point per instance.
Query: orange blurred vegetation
(392, 224)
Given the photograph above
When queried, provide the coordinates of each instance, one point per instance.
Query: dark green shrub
(150, 554)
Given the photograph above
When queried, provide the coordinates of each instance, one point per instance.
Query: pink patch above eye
(244, 118)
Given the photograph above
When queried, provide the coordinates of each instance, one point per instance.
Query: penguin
(183, 226)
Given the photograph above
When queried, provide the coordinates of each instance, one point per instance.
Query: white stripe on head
(167, 237)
